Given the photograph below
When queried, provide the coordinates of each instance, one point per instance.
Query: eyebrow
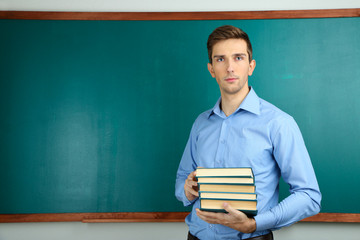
(240, 54)
(234, 55)
(218, 56)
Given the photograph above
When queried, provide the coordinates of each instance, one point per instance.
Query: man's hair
(224, 33)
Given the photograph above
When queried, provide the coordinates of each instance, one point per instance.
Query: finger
(192, 176)
(191, 183)
(229, 208)
(192, 192)
(211, 215)
(233, 211)
(209, 220)
(191, 187)
(207, 217)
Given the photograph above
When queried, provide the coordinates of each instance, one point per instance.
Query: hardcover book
(225, 172)
(226, 188)
(236, 186)
(216, 205)
(226, 180)
(228, 195)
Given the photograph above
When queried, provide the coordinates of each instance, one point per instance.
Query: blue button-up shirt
(260, 136)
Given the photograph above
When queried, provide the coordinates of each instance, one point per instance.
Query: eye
(220, 59)
(239, 58)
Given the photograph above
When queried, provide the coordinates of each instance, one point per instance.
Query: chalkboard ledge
(145, 217)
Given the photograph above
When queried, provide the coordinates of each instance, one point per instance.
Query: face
(230, 66)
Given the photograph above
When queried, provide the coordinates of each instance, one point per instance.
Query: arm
(295, 165)
(186, 184)
(191, 188)
(234, 219)
(296, 169)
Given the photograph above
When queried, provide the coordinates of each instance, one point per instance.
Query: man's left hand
(234, 219)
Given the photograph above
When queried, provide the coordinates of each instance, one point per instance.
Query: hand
(190, 187)
(234, 219)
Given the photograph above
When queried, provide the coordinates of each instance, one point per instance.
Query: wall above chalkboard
(96, 114)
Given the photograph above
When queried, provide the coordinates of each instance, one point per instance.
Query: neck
(231, 102)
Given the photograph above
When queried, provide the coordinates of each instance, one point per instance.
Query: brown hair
(224, 33)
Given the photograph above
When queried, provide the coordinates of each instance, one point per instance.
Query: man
(243, 130)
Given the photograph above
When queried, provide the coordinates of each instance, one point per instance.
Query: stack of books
(236, 186)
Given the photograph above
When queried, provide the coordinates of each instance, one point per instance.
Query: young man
(243, 130)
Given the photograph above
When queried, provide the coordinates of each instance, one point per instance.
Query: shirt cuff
(265, 221)
(186, 201)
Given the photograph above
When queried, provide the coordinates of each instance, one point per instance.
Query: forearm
(297, 206)
(248, 227)
(297, 171)
(187, 165)
(180, 193)
(233, 218)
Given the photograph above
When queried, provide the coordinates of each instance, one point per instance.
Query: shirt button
(223, 141)
(210, 226)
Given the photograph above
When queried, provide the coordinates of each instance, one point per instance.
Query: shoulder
(277, 119)
(202, 121)
(203, 117)
(273, 113)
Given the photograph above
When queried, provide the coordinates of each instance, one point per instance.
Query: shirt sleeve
(186, 166)
(296, 169)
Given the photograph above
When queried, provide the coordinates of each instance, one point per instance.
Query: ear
(211, 70)
(252, 66)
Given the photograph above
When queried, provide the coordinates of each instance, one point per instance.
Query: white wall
(165, 231)
(160, 231)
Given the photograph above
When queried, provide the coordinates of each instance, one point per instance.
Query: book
(226, 180)
(236, 186)
(228, 195)
(225, 172)
(216, 205)
(226, 188)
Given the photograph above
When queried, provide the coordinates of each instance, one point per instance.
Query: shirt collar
(251, 103)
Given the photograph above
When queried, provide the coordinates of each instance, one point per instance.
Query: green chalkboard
(95, 114)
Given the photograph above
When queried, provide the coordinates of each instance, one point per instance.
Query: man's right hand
(191, 187)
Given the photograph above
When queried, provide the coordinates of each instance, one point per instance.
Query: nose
(230, 67)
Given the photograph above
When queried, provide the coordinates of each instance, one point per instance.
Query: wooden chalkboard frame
(149, 16)
(146, 217)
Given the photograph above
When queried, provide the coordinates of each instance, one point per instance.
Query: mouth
(230, 79)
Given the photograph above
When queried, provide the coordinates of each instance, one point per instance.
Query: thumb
(234, 212)
(229, 208)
